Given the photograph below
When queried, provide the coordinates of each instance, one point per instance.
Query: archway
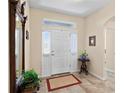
(109, 49)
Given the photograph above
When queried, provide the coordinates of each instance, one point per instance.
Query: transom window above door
(59, 23)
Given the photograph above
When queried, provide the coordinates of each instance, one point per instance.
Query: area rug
(62, 82)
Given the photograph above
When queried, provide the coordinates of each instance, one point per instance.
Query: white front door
(60, 44)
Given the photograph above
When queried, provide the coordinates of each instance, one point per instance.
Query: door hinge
(105, 51)
(105, 62)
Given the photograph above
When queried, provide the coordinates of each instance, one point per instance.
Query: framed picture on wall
(27, 35)
(92, 40)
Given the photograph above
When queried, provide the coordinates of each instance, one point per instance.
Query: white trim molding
(110, 70)
(97, 76)
(53, 22)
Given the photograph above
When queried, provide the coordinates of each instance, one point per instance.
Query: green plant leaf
(30, 78)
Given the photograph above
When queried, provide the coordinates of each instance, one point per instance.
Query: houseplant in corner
(83, 58)
(83, 54)
(30, 81)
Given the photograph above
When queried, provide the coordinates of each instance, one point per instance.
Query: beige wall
(94, 26)
(36, 18)
(88, 26)
(27, 45)
(27, 42)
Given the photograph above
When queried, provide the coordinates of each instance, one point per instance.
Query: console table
(83, 65)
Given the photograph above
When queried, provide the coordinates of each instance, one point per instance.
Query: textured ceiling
(71, 7)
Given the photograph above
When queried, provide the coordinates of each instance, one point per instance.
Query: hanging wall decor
(92, 40)
(27, 35)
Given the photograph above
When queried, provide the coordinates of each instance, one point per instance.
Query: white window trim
(73, 25)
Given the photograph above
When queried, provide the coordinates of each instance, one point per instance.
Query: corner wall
(88, 26)
(94, 26)
(36, 18)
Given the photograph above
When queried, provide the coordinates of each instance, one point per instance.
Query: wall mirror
(20, 43)
(20, 20)
(18, 47)
(17, 20)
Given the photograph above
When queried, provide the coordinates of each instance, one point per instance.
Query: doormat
(62, 82)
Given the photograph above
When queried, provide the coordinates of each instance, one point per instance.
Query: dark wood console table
(83, 65)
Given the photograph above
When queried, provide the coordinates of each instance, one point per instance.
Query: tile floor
(90, 84)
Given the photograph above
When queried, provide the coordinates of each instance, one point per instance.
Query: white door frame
(104, 62)
(47, 65)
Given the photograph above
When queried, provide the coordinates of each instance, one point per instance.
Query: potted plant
(83, 54)
(30, 81)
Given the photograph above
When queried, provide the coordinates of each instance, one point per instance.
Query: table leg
(86, 71)
(81, 69)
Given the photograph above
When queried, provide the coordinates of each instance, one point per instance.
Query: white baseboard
(43, 76)
(39, 76)
(110, 73)
(109, 70)
(77, 70)
(47, 75)
(99, 77)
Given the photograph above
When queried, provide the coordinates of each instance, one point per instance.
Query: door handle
(52, 51)
(52, 54)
